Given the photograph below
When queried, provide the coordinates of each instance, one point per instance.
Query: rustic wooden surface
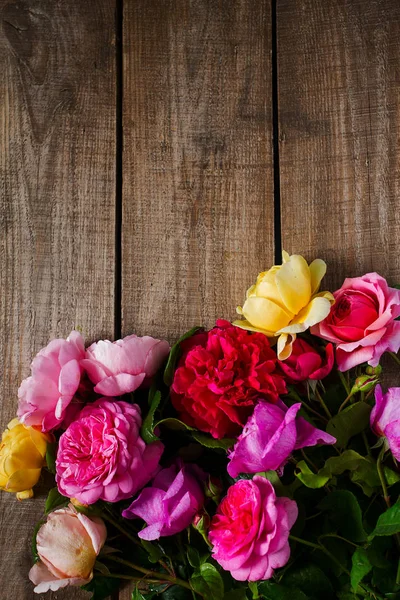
(194, 183)
(57, 204)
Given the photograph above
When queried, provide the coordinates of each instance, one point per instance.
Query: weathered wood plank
(197, 189)
(339, 119)
(57, 183)
(197, 195)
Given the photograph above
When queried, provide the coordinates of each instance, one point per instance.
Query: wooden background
(154, 156)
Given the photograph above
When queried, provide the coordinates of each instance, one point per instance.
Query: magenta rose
(385, 418)
(305, 362)
(271, 434)
(102, 456)
(362, 321)
(170, 504)
(250, 530)
(120, 367)
(44, 398)
(221, 375)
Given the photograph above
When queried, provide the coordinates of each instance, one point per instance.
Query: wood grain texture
(197, 169)
(57, 183)
(339, 120)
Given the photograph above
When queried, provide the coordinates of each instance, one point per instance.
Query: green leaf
(102, 587)
(175, 354)
(137, 595)
(349, 422)
(210, 442)
(345, 513)
(147, 430)
(363, 470)
(239, 594)
(34, 543)
(207, 581)
(176, 592)
(54, 499)
(389, 522)
(153, 550)
(311, 580)
(193, 556)
(51, 454)
(274, 591)
(360, 567)
(174, 424)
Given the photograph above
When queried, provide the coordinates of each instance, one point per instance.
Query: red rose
(306, 363)
(222, 373)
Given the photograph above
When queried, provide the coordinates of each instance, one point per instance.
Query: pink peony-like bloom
(67, 545)
(385, 418)
(45, 397)
(250, 530)
(120, 367)
(170, 504)
(221, 375)
(102, 456)
(305, 362)
(362, 321)
(270, 436)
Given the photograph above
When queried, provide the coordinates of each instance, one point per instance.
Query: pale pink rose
(385, 418)
(362, 321)
(45, 397)
(102, 456)
(250, 530)
(120, 367)
(67, 545)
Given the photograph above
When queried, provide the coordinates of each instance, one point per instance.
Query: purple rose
(270, 436)
(385, 418)
(170, 504)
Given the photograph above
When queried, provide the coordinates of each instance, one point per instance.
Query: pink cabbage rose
(45, 397)
(102, 456)
(120, 367)
(385, 418)
(67, 544)
(362, 321)
(250, 530)
(270, 436)
(170, 504)
(305, 362)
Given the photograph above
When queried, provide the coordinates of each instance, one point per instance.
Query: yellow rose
(22, 456)
(284, 301)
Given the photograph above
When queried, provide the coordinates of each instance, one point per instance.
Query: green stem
(395, 358)
(364, 437)
(121, 529)
(295, 396)
(309, 460)
(127, 577)
(338, 537)
(341, 407)
(344, 382)
(305, 542)
(382, 478)
(152, 574)
(324, 406)
(398, 574)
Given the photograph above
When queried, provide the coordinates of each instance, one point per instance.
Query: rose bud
(67, 545)
(305, 362)
(22, 456)
(385, 418)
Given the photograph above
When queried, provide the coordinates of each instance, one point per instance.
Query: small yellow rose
(285, 301)
(22, 456)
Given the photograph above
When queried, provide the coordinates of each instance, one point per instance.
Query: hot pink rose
(45, 397)
(385, 418)
(250, 530)
(170, 504)
(362, 321)
(271, 434)
(305, 362)
(102, 456)
(120, 367)
(67, 544)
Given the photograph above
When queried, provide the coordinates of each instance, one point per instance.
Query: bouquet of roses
(222, 468)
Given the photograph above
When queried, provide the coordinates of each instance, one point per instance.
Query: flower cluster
(244, 449)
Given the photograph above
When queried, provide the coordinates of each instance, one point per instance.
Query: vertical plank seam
(275, 136)
(119, 13)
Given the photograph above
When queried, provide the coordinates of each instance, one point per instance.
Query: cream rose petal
(317, 271)
(265, 314)
(284, 345)
(315, 312)
(243, 324)
(293, 281)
